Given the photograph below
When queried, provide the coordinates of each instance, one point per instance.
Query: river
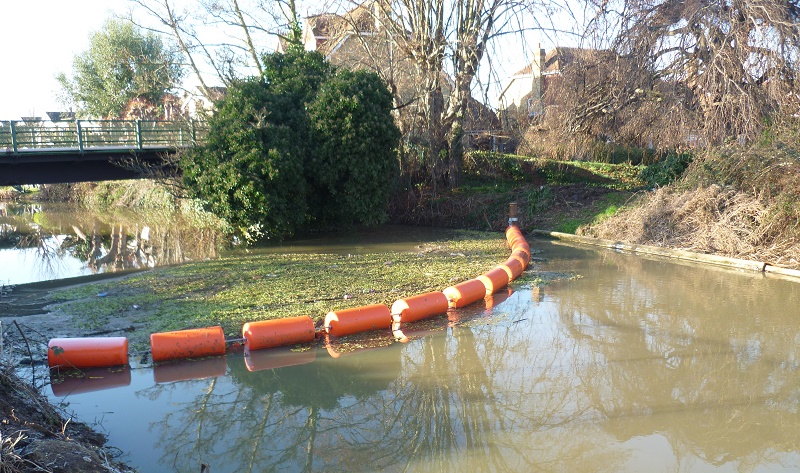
(635, 364)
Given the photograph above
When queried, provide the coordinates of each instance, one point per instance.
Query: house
(525, 98)
(359, 39)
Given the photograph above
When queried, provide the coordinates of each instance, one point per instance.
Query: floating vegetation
(231, 291)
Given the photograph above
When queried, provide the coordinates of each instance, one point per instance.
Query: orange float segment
(515, 238)
(279, 332)
(190, 343)
(465, 293)
(358, 319)
(513, 268)
(521, 257)
(87, 352)
(422, 306)
(523, 247)
(494, 280)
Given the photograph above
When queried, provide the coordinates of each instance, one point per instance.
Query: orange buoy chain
(210, 341)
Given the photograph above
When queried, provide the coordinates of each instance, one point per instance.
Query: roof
(561, 57)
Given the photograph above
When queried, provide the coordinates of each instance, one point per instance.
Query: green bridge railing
(79, 135)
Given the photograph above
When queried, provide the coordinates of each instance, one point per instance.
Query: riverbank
(36, 436)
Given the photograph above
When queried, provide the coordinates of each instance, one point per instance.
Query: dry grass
(712, 219)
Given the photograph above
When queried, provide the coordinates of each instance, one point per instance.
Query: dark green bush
(302, 145)
(353, 167)
(668, 170)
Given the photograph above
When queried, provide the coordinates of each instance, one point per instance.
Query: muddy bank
(36, 436)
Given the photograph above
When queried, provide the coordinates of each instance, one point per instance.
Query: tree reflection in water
(104, 243)
(675, 367)
(456, 400)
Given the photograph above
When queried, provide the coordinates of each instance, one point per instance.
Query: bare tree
(429, 52)
(724, 66)
(224, 39)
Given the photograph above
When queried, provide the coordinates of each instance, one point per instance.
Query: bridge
(44, 152)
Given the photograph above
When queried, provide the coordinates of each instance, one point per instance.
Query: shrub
(666, 171)
(303, 144)
(354, 164)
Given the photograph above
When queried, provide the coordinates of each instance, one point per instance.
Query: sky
(40, 38)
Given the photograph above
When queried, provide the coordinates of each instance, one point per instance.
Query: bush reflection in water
(102, 242)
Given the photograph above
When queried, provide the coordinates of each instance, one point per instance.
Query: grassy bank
(556, 195)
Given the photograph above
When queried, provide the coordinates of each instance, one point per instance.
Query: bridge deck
(85, 150)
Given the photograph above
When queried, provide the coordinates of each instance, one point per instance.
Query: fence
(19, 135)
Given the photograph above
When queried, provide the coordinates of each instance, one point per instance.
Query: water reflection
(640, 365)
(49, 241)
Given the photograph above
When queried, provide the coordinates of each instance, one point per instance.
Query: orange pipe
(279, 332)
(358, 319)
(190, 343)
(465, 293)
(422, 306)
(184, 370)
(494, 280)
(258, 360)
(87, 352)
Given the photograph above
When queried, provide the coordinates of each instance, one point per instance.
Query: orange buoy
(87, 352)
(279, 332)
(465, 293)
(281, 357)
(190, 343)
(422, 306)
(521, 257)
(494, 280)
(184, 370)
(358, 319)
(522, 246)
(93, 379)
(513, 232)
(513, 267)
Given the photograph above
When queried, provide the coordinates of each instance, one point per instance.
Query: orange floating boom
(494, 280)
(87, 352)
(190, 343)
(422, 306)
(513, 267)
(279, 332)
(358, 319)
(521, 257)
(465, 293)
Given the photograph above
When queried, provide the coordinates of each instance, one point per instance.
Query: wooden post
(512, 214)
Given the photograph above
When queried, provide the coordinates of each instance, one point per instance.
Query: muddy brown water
(635, 365)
